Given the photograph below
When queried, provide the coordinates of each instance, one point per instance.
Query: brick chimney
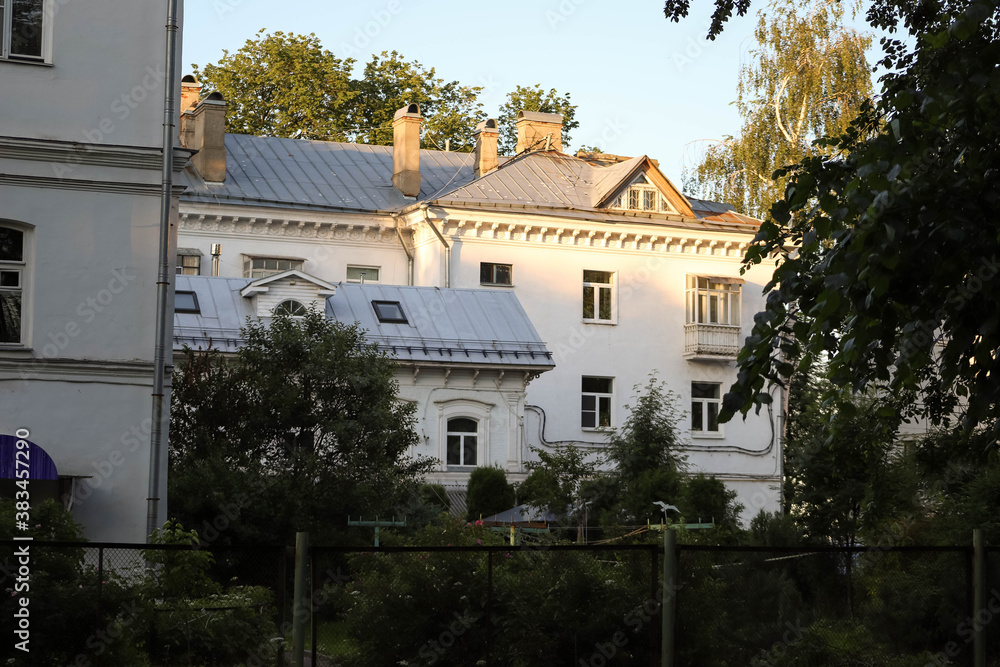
(204, 130)
(538, 131)
(485, 156)
(406, 150)
(190, 92)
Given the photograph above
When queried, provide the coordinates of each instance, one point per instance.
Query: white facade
(547, 218)
(80, 158)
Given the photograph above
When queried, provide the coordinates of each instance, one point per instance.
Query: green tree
(806, 79)
(555, 482)
(301, 430)
(283, 85)
(528, 98)
(887, 243)
(488, 492)
(450, 110)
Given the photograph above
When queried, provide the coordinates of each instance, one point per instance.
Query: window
(12, 272)
(705, 401)
(463, 441)
(188, 264)
(597, 295)
(389, 311)
(362, 274)
(713, 300)
(186, 302)
(641, 195)
(496, 274)
(21, 29)
(261, 267)
(291, 308)
(595, 406)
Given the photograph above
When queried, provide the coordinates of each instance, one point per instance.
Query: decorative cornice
(371, 232)
(73, 153)
(17, 364)
(116, 187)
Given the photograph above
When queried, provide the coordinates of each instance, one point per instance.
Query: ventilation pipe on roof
(447, 248)
(216, 254)
(485, 156)
(535, 128)
(406, 150)
(190, 92)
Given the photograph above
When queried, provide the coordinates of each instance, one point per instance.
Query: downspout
(158, 433)
(447, 248)
(409, 257)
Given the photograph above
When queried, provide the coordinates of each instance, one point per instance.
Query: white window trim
(48, 12)
(247, 257)
(470, 409)
(598, 396)
(693, 293)
(25, 267)
(708, 435)
(613, 287)
(639, 185)
(363, 268)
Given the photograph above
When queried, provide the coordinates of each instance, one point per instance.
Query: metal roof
(457, 326)
(299, 173)
(324, 175)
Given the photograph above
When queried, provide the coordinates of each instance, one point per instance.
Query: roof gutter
(447, 248)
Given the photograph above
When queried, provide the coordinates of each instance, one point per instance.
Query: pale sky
(642, 84)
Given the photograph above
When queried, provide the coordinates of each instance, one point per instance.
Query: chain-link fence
(108, 604)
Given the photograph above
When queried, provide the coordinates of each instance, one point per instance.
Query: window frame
(365, 280)
(23, 289)
(699, 301)
(469, 408)
(704, 407)
(637, 195)
(302, 306)
(598, 396)
(493, 274)
(196, 309)
(462, 435)
(44, 56)
(248, 268)
(598, 287)
(386, 318)
(182, 257)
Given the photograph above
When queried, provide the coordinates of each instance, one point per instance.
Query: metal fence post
(978, 596)
(300, 606)
(100, 594)
(489, 603)
(669, 597)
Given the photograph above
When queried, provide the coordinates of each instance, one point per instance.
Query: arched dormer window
(291, 307)
(641, 195)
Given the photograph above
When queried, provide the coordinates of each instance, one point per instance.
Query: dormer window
(641, 195)
(291, 308)
(261, 267)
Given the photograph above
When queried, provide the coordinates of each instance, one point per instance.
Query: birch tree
(806, 78)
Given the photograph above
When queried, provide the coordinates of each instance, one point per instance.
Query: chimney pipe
(208, 137)
(216, 254)
(485, 156)
(538, 131)
(406, 150)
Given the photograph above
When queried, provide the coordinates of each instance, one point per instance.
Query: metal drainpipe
(447, 248)
(158, 434)
(409, 257)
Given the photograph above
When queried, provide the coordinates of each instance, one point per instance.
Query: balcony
(711, 341)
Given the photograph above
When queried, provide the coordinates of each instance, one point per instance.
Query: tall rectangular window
(21, 29)
(713, 300)
(598, 296)
(12, 268)
(595, 402)
(496, 274)
(462, 441)
(706, 399)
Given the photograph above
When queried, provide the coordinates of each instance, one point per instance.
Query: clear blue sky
(643, 85)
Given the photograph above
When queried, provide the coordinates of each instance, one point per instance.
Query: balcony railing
(720, 341)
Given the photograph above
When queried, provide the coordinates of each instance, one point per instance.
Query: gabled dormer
(291, 292)
(638, 185)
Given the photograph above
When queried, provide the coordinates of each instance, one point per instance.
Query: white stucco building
(620, 274)
(81, 112)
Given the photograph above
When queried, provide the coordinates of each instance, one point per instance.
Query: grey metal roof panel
(222, 311)
(472, 326)
(298, 173)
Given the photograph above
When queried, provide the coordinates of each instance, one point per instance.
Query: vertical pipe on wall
(158, 434)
